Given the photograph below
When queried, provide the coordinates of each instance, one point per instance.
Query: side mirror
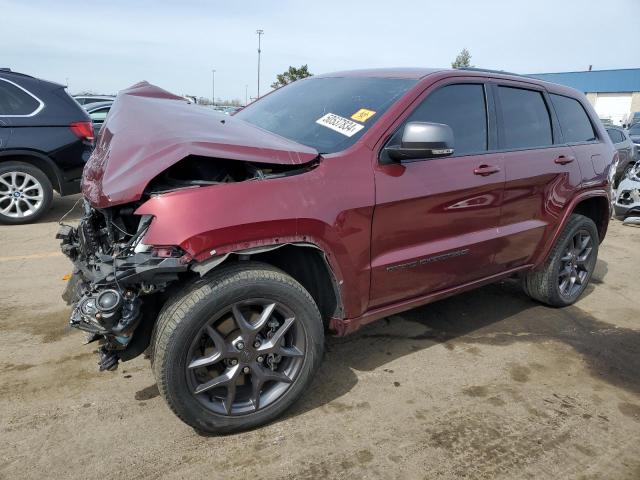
(423, 140)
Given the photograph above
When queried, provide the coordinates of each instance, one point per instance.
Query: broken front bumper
(111, 293)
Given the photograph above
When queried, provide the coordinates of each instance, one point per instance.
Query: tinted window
(326, 113)
(574, 121)
(15, 101)
(615, 136)
(525, 119)
(463, 108)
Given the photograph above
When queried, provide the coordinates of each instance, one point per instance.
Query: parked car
(634, 119)
(627, 198)
(228, 244)
(231, 110)
(45, 140)
(87, 99)
(634, 135)
(98, 113)
(627, 152)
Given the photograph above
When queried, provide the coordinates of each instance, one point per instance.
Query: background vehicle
(627, 201)
(634, 119)
(98, 113)
(627, 152)
(228, 245)
(634, 134)
(87, 99)
(45, 140)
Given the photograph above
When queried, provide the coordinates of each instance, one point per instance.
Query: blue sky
(107, 46)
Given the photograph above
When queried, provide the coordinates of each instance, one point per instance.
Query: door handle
(564, 159)
(485, 170)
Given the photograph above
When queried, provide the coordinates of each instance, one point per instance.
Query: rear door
(435, 220)
(541, 171)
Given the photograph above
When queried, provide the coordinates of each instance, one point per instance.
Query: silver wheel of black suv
(568, 269)
(235, 349)
(25, 193)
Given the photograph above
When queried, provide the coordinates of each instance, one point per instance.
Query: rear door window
(14, 101)
(463, 108)
(574, 121)
(525, 119)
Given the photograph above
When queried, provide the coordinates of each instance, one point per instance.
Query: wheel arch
(306, 262)
(594, 204)
(597, 208)
(35, 159)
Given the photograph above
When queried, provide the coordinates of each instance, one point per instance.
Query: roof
(409, 73)
(600, 81)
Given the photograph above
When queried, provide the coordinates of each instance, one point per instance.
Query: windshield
(635, 129)
(328, 114)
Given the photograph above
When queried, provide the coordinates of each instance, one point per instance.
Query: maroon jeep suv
(226, 246)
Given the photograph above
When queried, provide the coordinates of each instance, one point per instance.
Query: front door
(435, 220)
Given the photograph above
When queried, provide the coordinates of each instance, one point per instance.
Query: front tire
(25, 193)
(237, 348)
(568, 269)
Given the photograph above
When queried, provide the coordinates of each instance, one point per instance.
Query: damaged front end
(114, 276)
(143, 171)
(627, 198)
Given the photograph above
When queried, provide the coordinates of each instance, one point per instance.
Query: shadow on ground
(498, 314)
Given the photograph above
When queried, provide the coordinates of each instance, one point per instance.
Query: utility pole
(213, 88)
(246, 95)
(260, 33)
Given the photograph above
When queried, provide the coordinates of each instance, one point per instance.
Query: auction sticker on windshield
(340, 124)
(363, 115)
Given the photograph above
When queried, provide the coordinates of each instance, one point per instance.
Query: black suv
(45, 139)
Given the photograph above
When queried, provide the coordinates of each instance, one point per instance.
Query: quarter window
(574, 121)
(16, 102)
(525, 119)
(463, 108)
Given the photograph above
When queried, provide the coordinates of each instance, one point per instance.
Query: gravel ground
(488, 384)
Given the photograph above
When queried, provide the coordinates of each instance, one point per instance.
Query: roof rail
(5, 69)
(487, 70)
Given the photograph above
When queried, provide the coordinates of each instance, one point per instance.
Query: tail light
(83, 130)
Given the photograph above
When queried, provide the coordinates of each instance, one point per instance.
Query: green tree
(462, 60)
(291, 75)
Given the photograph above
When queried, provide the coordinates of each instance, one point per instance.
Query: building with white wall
(615, 94)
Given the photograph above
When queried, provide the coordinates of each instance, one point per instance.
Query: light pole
(260, 33)
(213, 88)
(246, 95)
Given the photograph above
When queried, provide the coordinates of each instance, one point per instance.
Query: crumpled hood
(149, 129)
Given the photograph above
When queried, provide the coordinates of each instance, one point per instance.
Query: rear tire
(25, 193)
(568, 269)
(211, 382)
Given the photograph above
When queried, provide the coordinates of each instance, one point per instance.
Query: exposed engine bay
(117, 279)
(113, 273)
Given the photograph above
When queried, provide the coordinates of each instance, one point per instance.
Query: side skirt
(345, 326)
